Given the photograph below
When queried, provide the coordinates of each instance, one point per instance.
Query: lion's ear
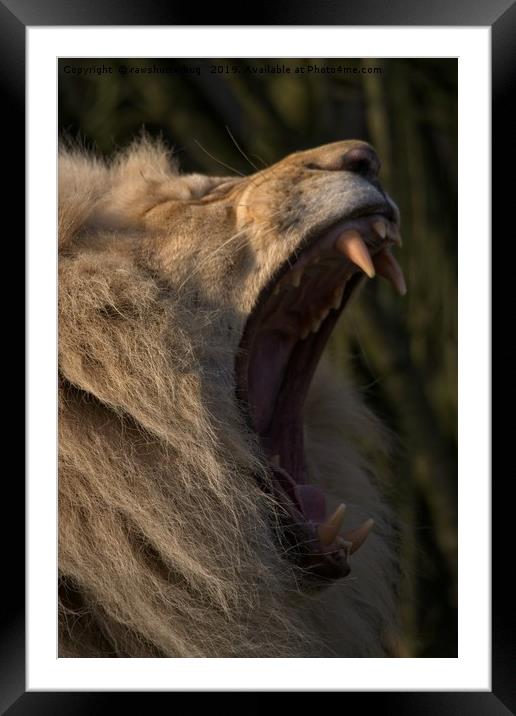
(115, 333)
(145, 157)
(102, 300)
(113, 194)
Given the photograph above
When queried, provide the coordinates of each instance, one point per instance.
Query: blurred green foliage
(403, 352)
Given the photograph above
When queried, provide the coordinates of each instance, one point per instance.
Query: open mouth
(282, 343)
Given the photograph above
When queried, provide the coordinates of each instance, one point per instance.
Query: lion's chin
(283, 341)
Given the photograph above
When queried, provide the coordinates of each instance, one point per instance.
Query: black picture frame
(500, 15)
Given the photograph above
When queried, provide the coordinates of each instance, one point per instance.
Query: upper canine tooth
(337, 297)
(329, 530)
(380, 227)
(359, 535)
(296, 277)
(388, 268)
(305, 332)
(351, 244)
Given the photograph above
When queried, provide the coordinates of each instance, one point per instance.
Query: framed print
(222, 194)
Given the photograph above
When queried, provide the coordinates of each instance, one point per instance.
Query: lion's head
(193, 314)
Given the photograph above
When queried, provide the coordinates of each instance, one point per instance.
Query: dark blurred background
(402, 352)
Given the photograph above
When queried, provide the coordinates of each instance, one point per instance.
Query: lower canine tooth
(388, 268)
(351, 244)
(329, 530)
(359, 535)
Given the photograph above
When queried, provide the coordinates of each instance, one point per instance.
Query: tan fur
(165, 539)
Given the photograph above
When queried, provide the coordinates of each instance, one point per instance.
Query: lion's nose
(362, 160)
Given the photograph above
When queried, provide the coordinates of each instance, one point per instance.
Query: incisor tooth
(359, 535)
(297, 275)
(329, 530)
(351, 244)
(394, 234)
(343, 544)
(380, 227)
(388, 268)
(323, 315)
(316, 323)
(337, 297)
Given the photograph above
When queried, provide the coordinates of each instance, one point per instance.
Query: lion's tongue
(312, 502)
(310, 498)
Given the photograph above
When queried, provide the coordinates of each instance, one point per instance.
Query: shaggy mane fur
(166, 546)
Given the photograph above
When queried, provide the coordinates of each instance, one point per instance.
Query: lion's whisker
(240, 149)
(219, 161)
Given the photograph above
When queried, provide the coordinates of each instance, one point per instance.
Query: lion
(201, 439)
